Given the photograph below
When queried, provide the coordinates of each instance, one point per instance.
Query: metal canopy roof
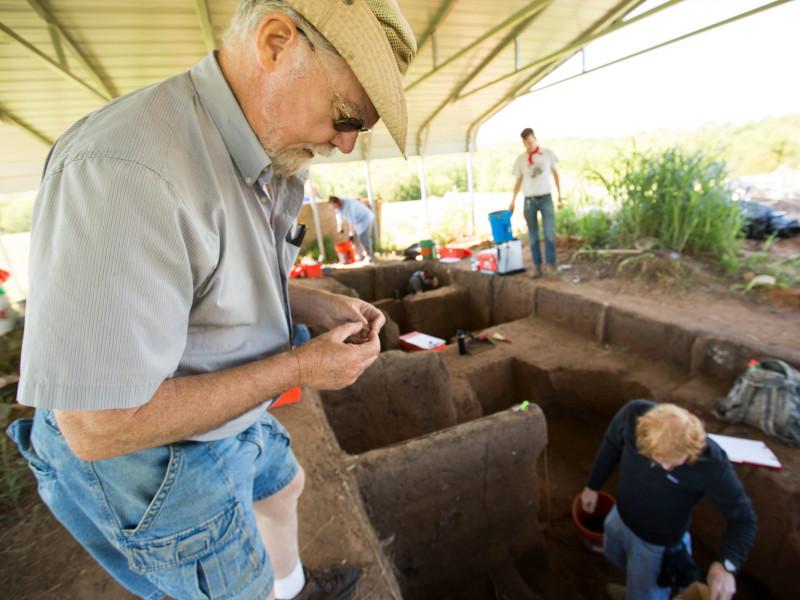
(60, 59)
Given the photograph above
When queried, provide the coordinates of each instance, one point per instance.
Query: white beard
(291, 161)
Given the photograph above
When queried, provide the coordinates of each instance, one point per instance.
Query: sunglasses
(347, 123)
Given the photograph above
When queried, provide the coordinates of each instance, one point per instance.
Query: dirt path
(703, 303)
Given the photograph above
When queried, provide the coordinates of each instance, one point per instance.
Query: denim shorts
(174, 520)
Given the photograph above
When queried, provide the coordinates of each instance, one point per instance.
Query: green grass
(15, 478)
(785, 271)
(677, 197)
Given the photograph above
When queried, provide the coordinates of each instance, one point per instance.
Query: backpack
(766, 396)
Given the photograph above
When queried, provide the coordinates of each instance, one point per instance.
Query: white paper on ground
(752, 452)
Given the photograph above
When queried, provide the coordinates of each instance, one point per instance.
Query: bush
(593, 226)
(590, 223)
(677, 197)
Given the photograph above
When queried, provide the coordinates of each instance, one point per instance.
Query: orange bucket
(590, 525)
(346, 251)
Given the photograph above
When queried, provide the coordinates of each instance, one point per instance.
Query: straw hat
(377, 43)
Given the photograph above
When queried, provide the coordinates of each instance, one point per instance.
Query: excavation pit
(437, 486)
(413, 422)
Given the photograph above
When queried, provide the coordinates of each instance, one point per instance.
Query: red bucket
(313, 271)
(590, 525)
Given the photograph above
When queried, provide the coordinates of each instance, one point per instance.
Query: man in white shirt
(532, 170)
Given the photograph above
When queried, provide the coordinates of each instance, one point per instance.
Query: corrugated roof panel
(132, 43)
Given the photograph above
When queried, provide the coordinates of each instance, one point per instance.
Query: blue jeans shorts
(174, 520)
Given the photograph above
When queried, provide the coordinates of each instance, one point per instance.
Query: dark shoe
(337, 583)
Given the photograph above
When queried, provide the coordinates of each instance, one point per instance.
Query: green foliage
(452, 227)
(394, 179)
(15, 478)
(310, 249)
(492, 167)
(786, 271)
(676, 196)
(16, 211)
(593, 226)
(757, 147)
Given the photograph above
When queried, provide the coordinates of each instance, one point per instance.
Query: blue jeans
(364, 241)
(533, 206)
(174, 520)
(641, 560)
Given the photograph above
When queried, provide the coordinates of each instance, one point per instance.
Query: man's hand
(329, 362)
(721, 582)
(323, 310)
(511, 206)
(588, 500)
(344, 309)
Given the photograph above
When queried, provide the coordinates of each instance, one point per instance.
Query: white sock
(288, 587)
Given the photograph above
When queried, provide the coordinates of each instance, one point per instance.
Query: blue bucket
(500, 220)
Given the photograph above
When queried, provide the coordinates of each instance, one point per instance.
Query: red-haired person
(666, 465)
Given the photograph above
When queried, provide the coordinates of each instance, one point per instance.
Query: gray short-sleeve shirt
(155, 251)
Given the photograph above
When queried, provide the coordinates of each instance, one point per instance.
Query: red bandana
(530, 154)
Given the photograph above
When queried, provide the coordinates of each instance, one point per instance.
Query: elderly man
(159, 315)
(532, 170)
(667, 464)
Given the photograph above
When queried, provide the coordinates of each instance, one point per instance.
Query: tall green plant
(676, 196)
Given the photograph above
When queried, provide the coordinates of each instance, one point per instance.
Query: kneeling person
(667, 464)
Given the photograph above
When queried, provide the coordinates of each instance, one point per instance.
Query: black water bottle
(462, 342)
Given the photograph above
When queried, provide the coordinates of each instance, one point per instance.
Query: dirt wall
(456, 503)
(402, 395)
(438, 312)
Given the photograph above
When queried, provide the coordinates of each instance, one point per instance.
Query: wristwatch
(729, 566)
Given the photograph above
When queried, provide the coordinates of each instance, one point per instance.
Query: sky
(740, 72)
